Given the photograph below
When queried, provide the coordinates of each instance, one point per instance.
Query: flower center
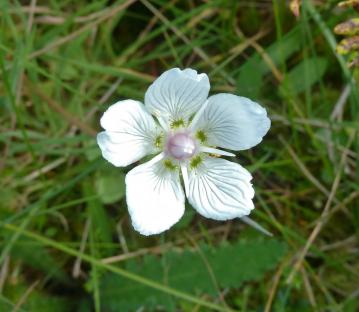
(181, 146)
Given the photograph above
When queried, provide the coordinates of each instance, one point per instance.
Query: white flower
(185, 129)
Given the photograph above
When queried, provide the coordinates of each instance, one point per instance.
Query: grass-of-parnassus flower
(188, 131)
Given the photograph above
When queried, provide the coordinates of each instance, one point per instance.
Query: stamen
(185, 178)
(255, 225)
(162, 119)
(197, 116)
(212, 150)
(156, 158)
(162, 122)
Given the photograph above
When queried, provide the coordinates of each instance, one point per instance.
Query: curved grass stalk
(131, 276)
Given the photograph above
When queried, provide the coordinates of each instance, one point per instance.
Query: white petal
(155, 198)
(233, 122)
(220, 189)
(130, 133)
(177, 94)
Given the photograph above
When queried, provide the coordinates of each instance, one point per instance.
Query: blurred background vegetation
(65, 236)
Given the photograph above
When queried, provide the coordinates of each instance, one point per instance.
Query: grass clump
(65, 234)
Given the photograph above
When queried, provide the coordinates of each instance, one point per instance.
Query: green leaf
(36, 301)
(186, 271)
(100, 222)
(304, 75)
(251, 74)
(91, 150)
(110, 185)
(36, 256)
(186, 219)
(100, 232)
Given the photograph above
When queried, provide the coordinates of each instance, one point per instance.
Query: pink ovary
(181, 146)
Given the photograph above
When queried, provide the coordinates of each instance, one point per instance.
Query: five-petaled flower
(185, 130)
